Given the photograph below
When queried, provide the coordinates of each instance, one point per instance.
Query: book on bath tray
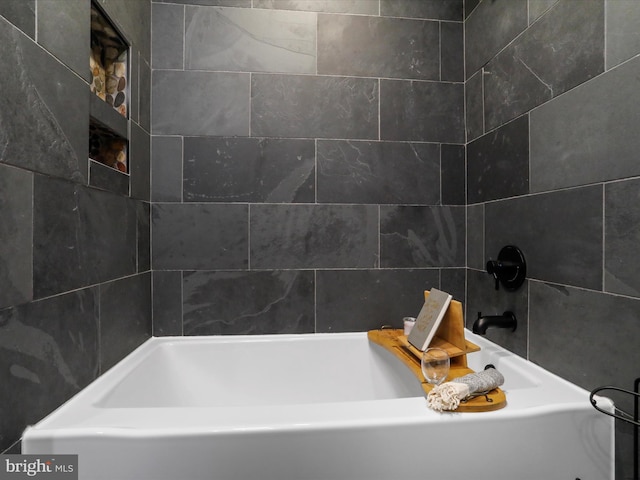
(429, 318)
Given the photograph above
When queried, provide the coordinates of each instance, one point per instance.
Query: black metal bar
(627, 418)
(636, 429)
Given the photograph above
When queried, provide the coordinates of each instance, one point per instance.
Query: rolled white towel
(448, 396)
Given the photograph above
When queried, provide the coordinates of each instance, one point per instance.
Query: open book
(429, 318)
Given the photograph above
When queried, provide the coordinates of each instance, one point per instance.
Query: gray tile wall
(75, 281)
(552, 166)
(297, 154)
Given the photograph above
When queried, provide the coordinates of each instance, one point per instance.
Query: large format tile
(248, 302)
(143, 215)
(475, 237)
(333, 6)
(432, 9)
(453, 175)
(44, 128)
(622, 40)
(200, 103)
(125, 317)
(576, 137)
(249, 170)
(139, 163)
(167, 36)
(622, 237)
(361, 300)
(22, 13)
(218, 3)
(167, 303)
(314, 107)
(422, 111)
(567, 324)
(412, 237)
(369, 46)
(559, 233)
(48, 353)
(16, 228)
(81, 236)
(63, 28)
(489, 28)
(498, 163)
(249, 40)
(562, 50)
(452, 52)
(314, 236)
(474, 107)
(199, 236)
(378, 172)
(166, 169)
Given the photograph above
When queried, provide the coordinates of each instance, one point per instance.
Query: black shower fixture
(510, 269)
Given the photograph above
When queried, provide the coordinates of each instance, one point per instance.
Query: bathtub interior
(244, 372)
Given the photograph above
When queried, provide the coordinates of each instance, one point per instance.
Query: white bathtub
(323, 406)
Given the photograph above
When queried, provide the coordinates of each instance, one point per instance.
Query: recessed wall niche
(109, 65)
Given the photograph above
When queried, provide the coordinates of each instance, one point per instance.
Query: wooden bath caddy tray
(449, 337)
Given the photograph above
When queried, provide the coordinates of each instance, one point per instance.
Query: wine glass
(435, 365)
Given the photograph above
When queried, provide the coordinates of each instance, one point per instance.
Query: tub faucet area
(506, 320)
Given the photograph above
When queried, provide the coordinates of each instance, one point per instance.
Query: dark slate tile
(562, 50)
(361, 300)
(140, 163)
(64, 29)
(621, 30)
(21, 13)
(167, 36)
(498, 163)
(143, 214)
(311, 107)
(454, 281)
(622, 236)
(563, 320)
(249, 40)
(489, 28)
(248, 302)
(432, 9)
(219, 3)
(146, 93)
(452, 51)
(422, 111)
(537, 8)
(475, 237)
(125, 317)
(81, 236)
(474, 106)
(559, 233)
(49, 353)
(329, 6)
(134, 85)
(378, 172)
(16, 220)
(167, 303)
(134, 21)
(219, 169)
(368, 47)
(314, 236)
(107, 178)
(43, 127)
(413, 237)
(470, 6)
(453, 174)
(199, 236)
(573, 134)
(166, 169)
(484, 298)
(180, 108)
